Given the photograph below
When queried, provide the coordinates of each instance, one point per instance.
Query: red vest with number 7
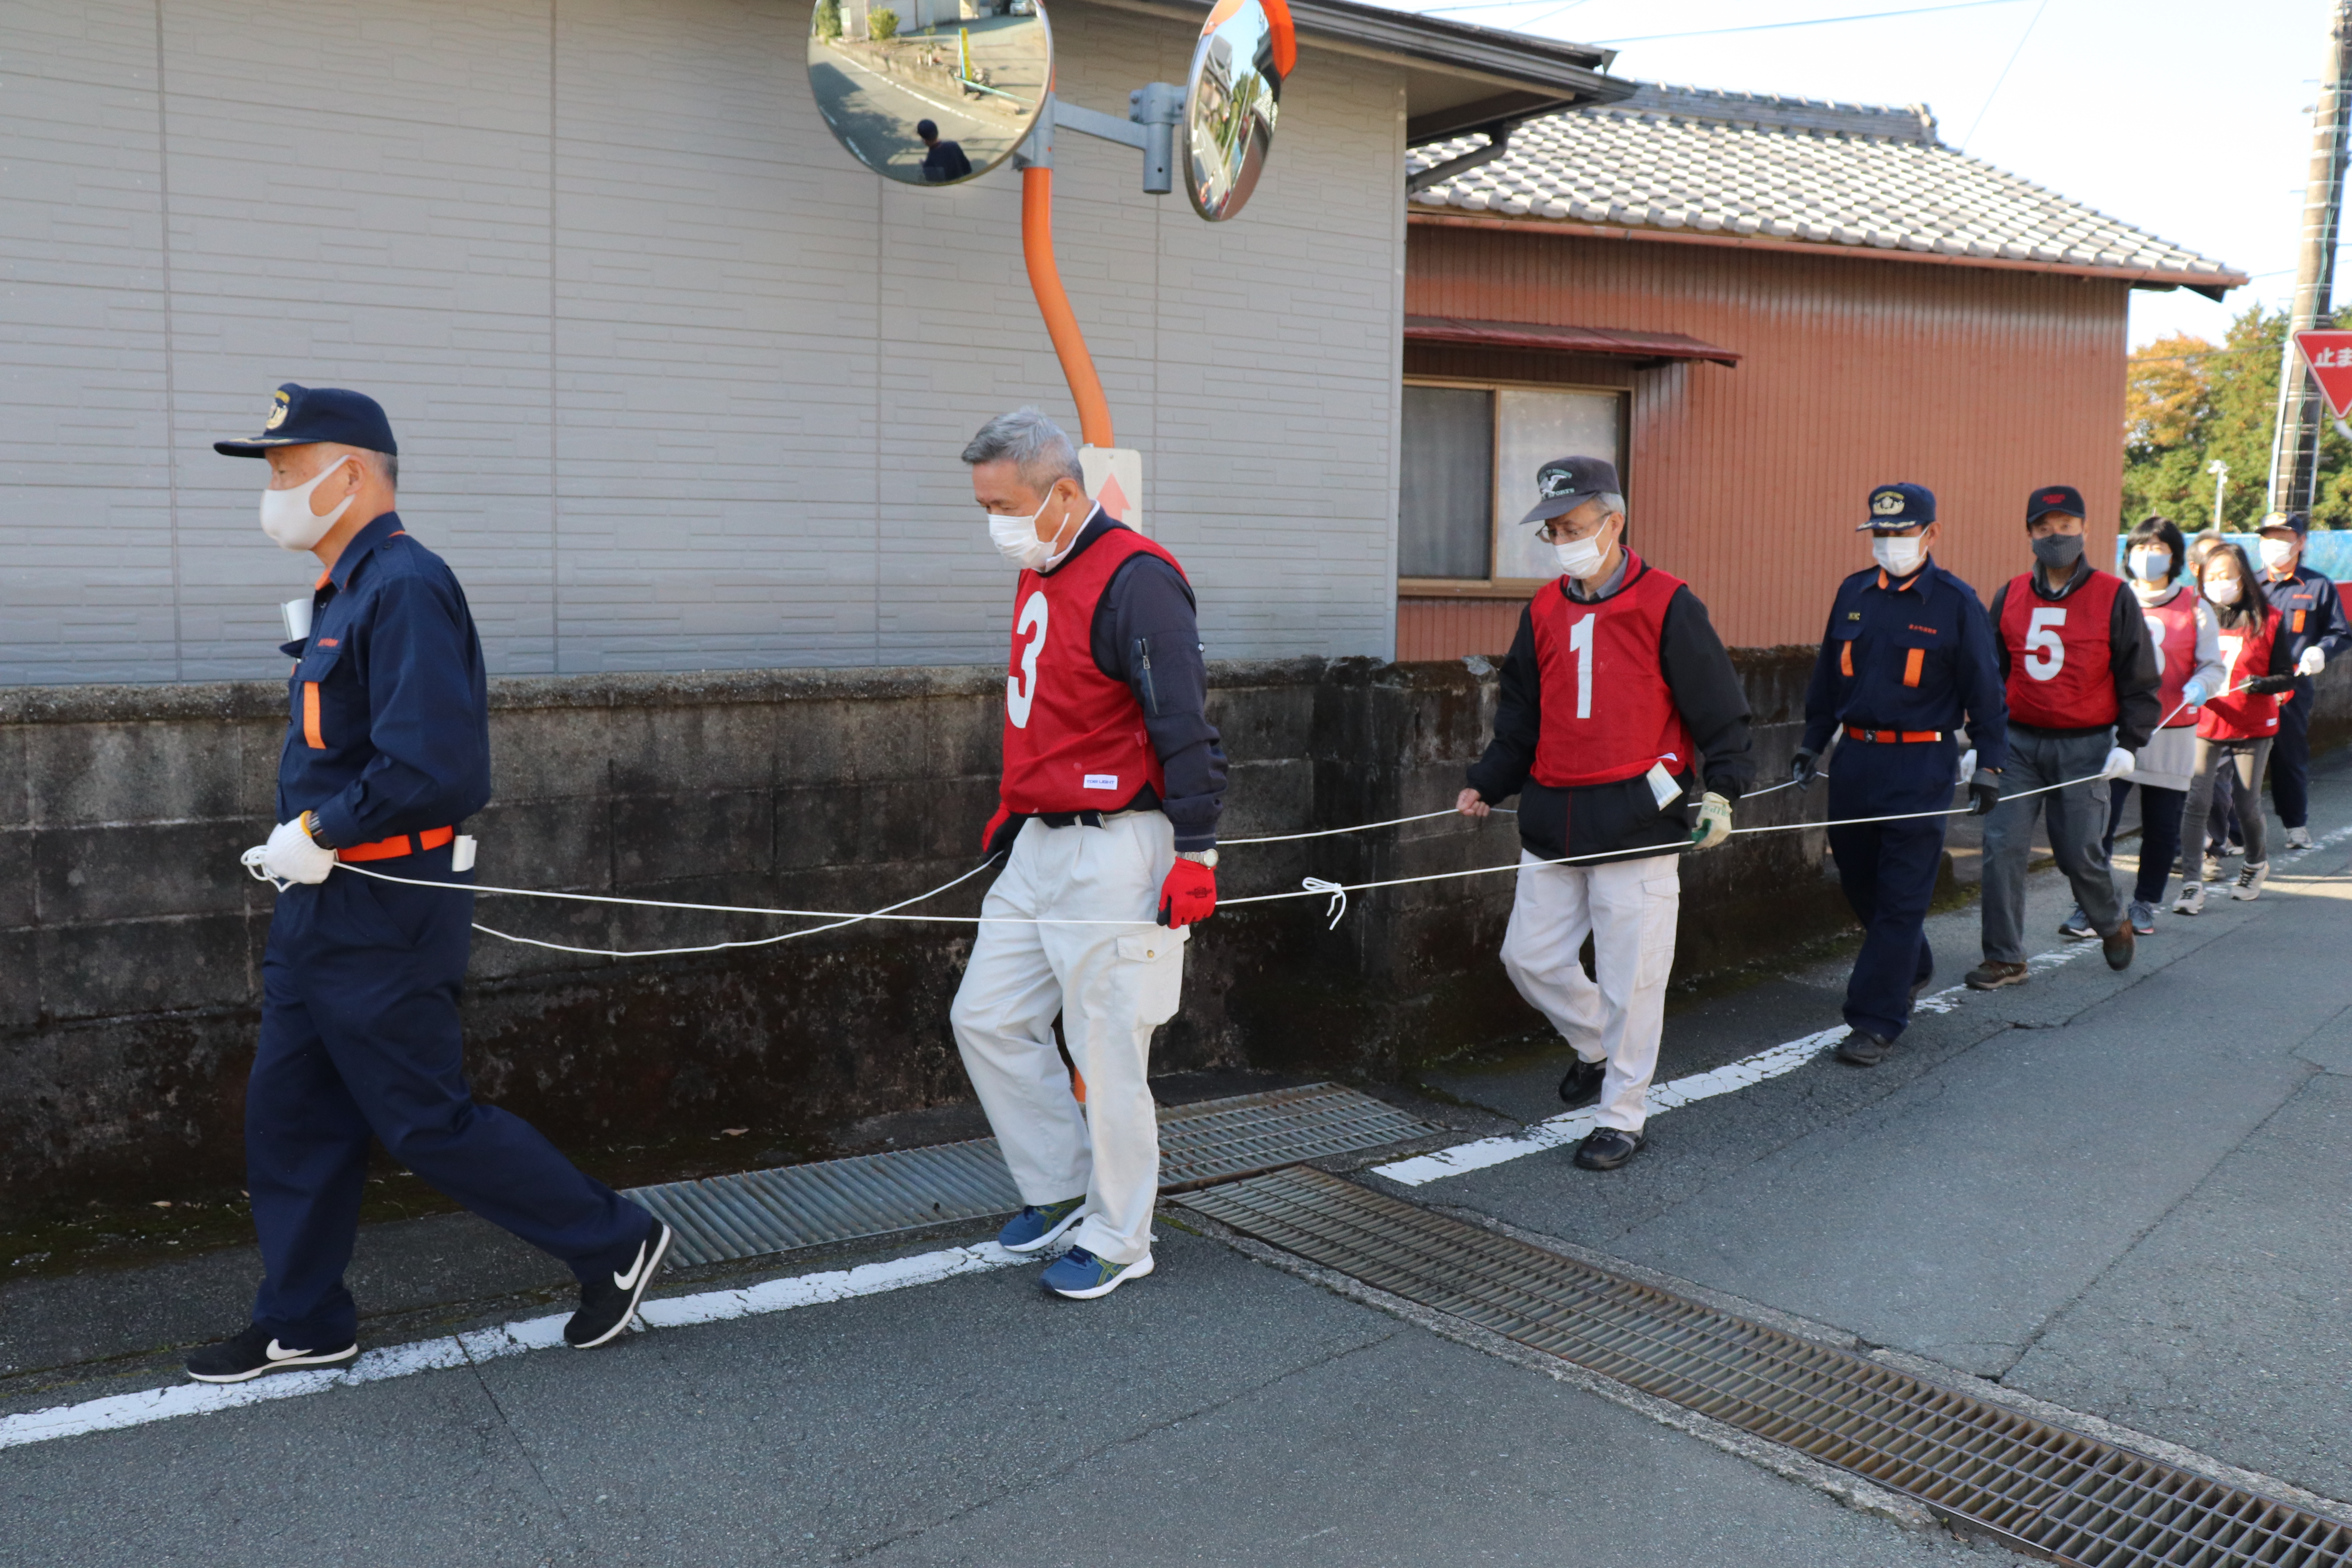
(2061, 668)
(1607, 713)
(1073, 737)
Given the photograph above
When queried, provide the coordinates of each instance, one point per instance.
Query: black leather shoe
(1606, 1148)
(1862, 1048)
(1582, 1084)
(2118, 945)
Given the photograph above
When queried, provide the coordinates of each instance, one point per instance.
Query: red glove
(1189, 894)
(995, 829)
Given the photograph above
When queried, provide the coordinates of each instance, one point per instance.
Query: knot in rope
(1337, 908)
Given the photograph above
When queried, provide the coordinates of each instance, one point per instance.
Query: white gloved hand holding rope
(291, 856)
(2119, 763)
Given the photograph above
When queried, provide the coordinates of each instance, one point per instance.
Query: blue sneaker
(1081, 1275)
(1035, 1226)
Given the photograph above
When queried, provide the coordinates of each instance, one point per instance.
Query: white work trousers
(1112, 984)
(1630, 908)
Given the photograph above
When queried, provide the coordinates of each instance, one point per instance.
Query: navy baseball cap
(300, 414)
(2299, 521)
(1566, 483)
(1900, 506)
(2055, 497)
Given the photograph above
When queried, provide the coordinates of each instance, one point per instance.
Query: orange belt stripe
(399, 843)
(1889, 737)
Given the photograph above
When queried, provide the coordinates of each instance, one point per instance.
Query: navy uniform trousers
(2291, 756)
(1888, 868)
(360, 1038)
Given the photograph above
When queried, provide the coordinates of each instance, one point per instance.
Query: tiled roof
(1794, 170)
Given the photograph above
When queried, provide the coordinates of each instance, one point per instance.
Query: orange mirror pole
(1061, 325)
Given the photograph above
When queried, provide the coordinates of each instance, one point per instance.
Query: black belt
(1085, 818)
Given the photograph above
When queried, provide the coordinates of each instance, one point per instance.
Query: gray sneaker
(2191, 901)
(2298, 838)
(2251, 877)
(2143, 917)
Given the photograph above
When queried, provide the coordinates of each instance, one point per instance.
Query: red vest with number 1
(2061, 654)
(1607, 712)
(1073, 737)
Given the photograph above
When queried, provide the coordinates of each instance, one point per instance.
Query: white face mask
(1016, 539)
(287, 517)
(2276, 553)
(1581, 558)
(2150, 565)
(1898, 555)
(2223, 590)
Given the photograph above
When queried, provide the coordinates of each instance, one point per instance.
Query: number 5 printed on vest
(2046, 655)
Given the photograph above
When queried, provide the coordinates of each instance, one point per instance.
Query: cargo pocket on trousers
(1662, 909)
(1157, 973)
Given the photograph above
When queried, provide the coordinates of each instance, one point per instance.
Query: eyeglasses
(1551, 534)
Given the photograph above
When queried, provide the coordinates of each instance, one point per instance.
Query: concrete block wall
(678, 384)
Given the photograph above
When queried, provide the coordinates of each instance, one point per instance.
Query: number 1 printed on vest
(1580, 642)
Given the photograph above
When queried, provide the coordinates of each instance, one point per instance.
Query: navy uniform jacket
(1867, 675)
(389, 726)
(2311, 613)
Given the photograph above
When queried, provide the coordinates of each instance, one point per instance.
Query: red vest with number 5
(1073, 737)
(2061, 656)
(1607, 713)
(2172, 625)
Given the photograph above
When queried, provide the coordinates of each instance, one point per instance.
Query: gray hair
(1611, 501)
(386, 464)
(1033, 444)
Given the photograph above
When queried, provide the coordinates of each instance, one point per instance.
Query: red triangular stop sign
(2328, 352)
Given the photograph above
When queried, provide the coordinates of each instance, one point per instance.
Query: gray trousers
(2240, 763)
(2078, 822)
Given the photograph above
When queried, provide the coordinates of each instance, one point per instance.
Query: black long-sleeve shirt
(1147, 633)
(2131, 657)
(1598, 819)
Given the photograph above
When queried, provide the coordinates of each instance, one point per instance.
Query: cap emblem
(1556, 482)
(1887, 503)
(278, 406)
(2055, 495)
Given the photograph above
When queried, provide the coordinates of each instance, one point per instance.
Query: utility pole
(2294, 439)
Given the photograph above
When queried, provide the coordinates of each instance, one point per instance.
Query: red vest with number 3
(2060, 674)
(1073, 737)
(2173, 627)
(1607, 713)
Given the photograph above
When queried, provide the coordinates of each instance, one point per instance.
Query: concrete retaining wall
(131, 940)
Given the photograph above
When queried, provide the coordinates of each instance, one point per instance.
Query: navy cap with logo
(2300, 522)
(1900, 506)
(299, 415)
(2054, 498)
(1566, 483)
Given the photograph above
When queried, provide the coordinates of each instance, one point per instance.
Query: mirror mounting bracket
(1153, 113)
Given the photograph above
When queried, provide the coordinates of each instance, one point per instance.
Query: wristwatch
(1199, 857)
(311, 827)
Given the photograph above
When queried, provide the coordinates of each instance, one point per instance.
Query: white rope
(1361, 827)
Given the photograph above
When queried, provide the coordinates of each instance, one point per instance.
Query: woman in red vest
(2189, 662)
(1617, 698)
(2235, 733)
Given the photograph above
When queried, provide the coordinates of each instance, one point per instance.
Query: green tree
(882, 23)
(2188, 401)
(828, 19)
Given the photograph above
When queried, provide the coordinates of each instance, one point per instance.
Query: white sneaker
(2250, 881)
(2213, 867)
(2298, 838)
(2191, 901)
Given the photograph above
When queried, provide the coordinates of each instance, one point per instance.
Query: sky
(2191, 121)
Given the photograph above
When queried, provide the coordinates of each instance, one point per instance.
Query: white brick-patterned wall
(678, 384)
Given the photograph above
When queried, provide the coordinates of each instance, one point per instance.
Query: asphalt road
(2126, 1194)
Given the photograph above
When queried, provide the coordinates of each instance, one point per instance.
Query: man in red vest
(1113, 781)
(2082, 684)
(1616, 700)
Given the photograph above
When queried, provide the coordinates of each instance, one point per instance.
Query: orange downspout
(1061, 325)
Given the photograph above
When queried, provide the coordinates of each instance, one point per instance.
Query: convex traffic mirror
(1246, 48)
(931, 92)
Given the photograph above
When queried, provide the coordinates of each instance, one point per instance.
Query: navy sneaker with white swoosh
(257, 1351)
(606, 1309)
(1081, 1275)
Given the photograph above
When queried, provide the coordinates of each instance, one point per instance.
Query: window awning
(1655, 348)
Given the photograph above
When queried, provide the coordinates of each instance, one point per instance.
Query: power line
(1810, 21)
(2003, 77)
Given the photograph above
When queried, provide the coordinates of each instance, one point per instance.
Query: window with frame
(1468, 474)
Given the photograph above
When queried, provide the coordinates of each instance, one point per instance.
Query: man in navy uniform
(387, 752)
(1622, 728)
(2313, 627)
(1907, 656)
(2082, 684)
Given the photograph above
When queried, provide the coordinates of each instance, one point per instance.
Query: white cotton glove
(291, 856)
(1714, 822)
(1968, 766)
(2119, 763)
(2312, 662)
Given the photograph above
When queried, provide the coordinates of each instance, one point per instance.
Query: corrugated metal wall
(1977, 384)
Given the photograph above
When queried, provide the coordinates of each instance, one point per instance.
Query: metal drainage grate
(791, 1207)
(2043, 1489)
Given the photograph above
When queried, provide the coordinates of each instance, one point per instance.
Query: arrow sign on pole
(2328, 352)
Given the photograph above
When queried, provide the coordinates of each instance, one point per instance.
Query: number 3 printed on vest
(1021, 688)
(2045, 654)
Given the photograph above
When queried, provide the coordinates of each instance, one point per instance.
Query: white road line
(1568, 1128)
(152, 1405)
